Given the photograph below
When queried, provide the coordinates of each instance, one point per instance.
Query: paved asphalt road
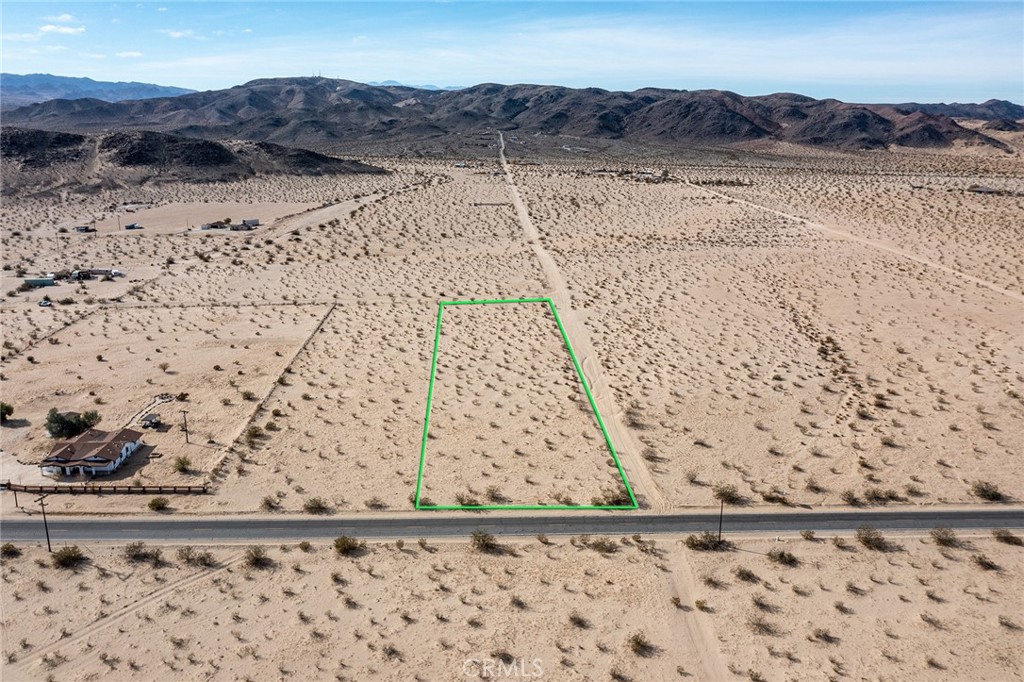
(268, 528)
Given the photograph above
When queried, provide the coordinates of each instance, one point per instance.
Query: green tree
(6, 410)
(70, 425)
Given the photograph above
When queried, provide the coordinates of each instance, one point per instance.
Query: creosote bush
(9, 551)
(727, 492)
(348, 546)
(159, 504)
(987, 491)
(256, 557)
(707, 542)
(483, 541)
(872, 538)
(945, 537)
(1007, 538)
(68, 557)
(781, 556)
(315, 505)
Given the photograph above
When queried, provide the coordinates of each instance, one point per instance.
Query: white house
(91, 452)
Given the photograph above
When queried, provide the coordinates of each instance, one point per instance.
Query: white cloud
(173, 33)
(61, 18)
(129, 54)
(246, 30)
(92, 55)
(63, 30)
(21, 37)
(161, 9)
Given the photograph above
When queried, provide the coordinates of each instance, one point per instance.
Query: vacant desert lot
(422, 610)
(809, 328)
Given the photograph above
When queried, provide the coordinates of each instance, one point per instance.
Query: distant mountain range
(323, 112)
(17, 91)
(420, 87)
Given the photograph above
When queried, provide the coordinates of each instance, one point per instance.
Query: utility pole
(721, 514)
(46, 526)
(184, 415)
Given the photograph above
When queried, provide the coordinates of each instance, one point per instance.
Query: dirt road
(644, 486)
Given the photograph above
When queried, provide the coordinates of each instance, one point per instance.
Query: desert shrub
(823, 635)
(191, 557)
(6, 410)
(159, 504)
(1007, 538)
(375, 503)
(137, 553)
(68, 557)
(483, 541)
(9, 550)
(578, 620)
(612, 497)
(983, 562)
(746, 575)
(727, 492)
(248, 395)
(269, 503)
(702, 605)
(850, 498)
(640, 645)
(808, 535)
(872, 538)
(182, 464)
(760, 625)
(603, 545)
(781, 556)
(707, 542)
(315, 505)
(306, 546)
(987, 491)
(256, 557)
(945, 537)
(348, 546)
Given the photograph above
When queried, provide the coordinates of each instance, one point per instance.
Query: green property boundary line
(586, 387)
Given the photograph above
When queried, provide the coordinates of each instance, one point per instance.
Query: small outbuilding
(151, 421)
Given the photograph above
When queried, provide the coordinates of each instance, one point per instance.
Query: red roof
(90, 447)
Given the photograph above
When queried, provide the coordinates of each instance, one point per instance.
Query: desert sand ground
(566, 608)
(820, 329)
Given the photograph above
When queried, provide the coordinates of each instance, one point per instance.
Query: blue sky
(855, 51)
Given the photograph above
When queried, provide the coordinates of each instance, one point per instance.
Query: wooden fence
(107, 489)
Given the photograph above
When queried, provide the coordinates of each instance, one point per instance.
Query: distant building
(40, 282)
(150, 421)
(242, 227)
(84, 228)
(251, 222)
(133, 226)
(92, 452)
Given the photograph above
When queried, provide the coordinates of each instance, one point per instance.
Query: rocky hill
(40, 158)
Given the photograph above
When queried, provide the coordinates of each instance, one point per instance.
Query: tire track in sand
(629, 450)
